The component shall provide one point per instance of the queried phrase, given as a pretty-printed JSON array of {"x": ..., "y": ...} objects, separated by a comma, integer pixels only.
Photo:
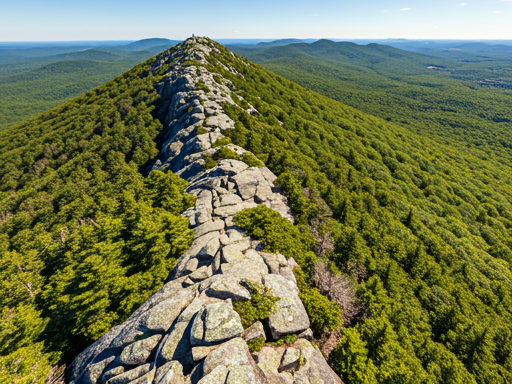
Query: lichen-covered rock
[
  {"x": 216, "y": 376},
  {"x": 170, "y": 373},
  {"x": 271, "y": 261},
  {"x": 243, "y": 374},
  {"x": 138, "y": 352},
  {"x": 160, "y": 317},
  {"x": 146, "y": 379},
  {"x": 233, "y": 253},
  {"x": 292, "y": 359},
  {"x": 255, "y": 331},
  {"x": 228, "y": 287},
  {"x": 230, "y": 199},
  {"x": 314, "y": 369},
  {"x": 112, "y": 372},
  {"x": 231, "y": 210},
  {"x": 201, "y": 273},
  {"x": 215, "y": 323},
  {"x": 268, "y": 359},
  {"x": 94, "y": 371},
  {"x": 209, "y": 226},
  {"x": 199, "y": 353},
  {"x": 131, "y": 375},
  {"x": 289, "y": 315},
  {"x": 250, "y": 268},
  {"x": 307, "y": 334},
  {"x": 234, "y": 354}
]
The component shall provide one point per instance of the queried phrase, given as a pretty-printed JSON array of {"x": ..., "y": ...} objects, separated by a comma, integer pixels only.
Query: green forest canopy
[
  {"x": 461, "y": 102},
  {"x": 423, "y": 229}
]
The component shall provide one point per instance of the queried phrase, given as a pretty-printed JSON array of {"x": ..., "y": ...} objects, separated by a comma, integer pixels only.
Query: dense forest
[
  {"x": 33, "y": 80},
  {"x": 84, "y": 238},
  {"x": 421, "y": 231},
  {"x": 457, "y": 98}
]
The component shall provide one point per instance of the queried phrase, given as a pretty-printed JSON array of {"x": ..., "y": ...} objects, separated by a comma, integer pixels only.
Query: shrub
[
  {"x": 225, "y": 153},
  {"x": 323, "y": 313},
  {"x": 222, "y": 141},
  {"x": 258, "y": 307},
  {"x": 200, "y": 86},
  {"x": 208, "y": 162},
  {"x": 251, "y": 160},
  {"x": 201, "y": 130},
  {"x": 279, "y": 235},
  {"x": 255, "y": 345},
  {"x": 350, "y": 360},
  {"x": 286, "y": 339}
]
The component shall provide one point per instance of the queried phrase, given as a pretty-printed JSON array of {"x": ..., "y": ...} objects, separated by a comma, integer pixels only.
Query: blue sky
[{"x": 40, "y": 20}]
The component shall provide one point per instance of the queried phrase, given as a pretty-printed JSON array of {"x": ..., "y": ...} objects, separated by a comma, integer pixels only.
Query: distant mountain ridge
[
  {"x": 53, "y": 75},
  {"x": 144, "y": 44},
  {"x": 441, "y": 95}
]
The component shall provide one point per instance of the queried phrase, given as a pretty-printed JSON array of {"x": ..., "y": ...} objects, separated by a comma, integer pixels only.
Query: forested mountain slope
[
  {"x": 32, "y": 82},
  {"x": 421, "y": 230},
  {"x": 465, "y": 103}
]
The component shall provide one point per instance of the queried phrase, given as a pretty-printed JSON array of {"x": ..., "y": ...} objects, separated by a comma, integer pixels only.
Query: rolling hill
[
  {"x": 32, "y": 82},
  {"x": 464, "y": 104}
]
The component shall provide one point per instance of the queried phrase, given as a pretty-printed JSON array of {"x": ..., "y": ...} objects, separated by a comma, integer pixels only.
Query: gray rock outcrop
[{"x": 188, "y": 331}]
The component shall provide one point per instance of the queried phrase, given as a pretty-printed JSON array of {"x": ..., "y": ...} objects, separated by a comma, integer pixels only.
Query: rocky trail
[{"x": 188, "y": 331}]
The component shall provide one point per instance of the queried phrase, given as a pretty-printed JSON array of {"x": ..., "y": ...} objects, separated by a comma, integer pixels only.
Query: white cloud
[
  {"x": 497, "y": 12},
  {"x": 467, "y": 3},
  {"x": 405, "y": 9},
  {"x": 314, "y": 15},
  {"x": 237, "y": 31}
]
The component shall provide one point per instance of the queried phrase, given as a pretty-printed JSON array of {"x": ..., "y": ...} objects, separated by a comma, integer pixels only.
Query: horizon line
[{"x": 256, "y": 38}]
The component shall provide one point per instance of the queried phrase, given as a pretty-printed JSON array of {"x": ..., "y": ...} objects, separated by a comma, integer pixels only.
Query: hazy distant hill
[
  {"x": 148, "y": 43},
  {"x": 31, "y": 82},
  {"x": 464, "y": 103}
]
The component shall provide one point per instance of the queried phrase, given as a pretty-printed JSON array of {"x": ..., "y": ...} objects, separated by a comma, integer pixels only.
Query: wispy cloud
[
  {"x": 405, "y": 9},
  {"x": 466, "y": 3},
  {"x": 237, "y": 31},
  {"x": 387, "y": 10},
  {"x": 314, "y": 15},
  {"x": 497, "y": 12}
]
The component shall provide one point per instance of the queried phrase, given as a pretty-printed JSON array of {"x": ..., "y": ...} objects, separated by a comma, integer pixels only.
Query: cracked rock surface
[{"x": 188, "y": 332}]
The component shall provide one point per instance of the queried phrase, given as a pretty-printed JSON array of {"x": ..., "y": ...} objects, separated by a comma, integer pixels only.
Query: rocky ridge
[{"x": 188, "y": 331}]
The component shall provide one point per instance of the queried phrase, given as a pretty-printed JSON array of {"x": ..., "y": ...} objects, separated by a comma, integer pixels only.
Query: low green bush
[
  {"x": 251, "y": 160},
  {"x": 286, "y": 339},
  {"x": 258, "y": 307},
  {"x": 323, "y": 313},
  {"x": 222, "y": 141},
  {"x": 201, "y": 130},
  {"x": 225, "y": 153},
  {"x": 208, "y": 162},
  {"x": 202, "y": 86},
  {"x": 278, "y": 234},
  {"x": 255, "y": 345}
]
